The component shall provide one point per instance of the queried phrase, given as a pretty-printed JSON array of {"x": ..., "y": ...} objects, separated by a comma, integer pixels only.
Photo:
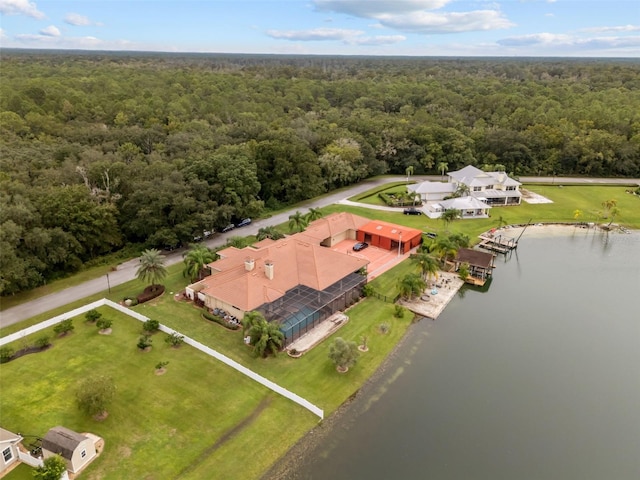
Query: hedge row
[{"x": 220, "y": 320}]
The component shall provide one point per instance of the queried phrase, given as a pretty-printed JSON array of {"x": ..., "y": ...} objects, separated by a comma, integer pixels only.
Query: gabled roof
[
  {"x": 8, "y": 437},
  {"x": 463, "y": 203},
  {"x": 62, "y": 441},
  {"x": 390, "y": 230},
  {"x": 475, "y": 258},
  {"x": 474, "y": 177},
  {"x": 242, "y": 280},
  {"x": 432, "y": 187}
]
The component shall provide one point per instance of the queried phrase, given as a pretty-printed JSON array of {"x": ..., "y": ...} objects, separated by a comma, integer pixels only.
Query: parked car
[
  {"x": 412, "y": 211},
  {"x": 360, "y": 246},
  {"x": 244, "y": 222},
  {"x": 228, "y": 228}
]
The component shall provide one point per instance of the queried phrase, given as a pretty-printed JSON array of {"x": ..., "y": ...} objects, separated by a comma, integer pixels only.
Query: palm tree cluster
[
  {"x": 196, "y": 261},
  {"x": 299, "y": 221},
  {"x": 265, "y": 337}
]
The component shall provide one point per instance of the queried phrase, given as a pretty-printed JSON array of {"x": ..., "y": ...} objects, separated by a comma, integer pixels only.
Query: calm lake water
[{"x": 537, "y": 378}]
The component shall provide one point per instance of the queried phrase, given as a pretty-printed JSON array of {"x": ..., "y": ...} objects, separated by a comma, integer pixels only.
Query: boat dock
[{"x": 497, "y": 242}]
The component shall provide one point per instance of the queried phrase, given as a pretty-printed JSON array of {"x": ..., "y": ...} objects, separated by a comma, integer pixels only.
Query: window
[
  {"x": 489, "y": 187},
  {"x": 511, "y": 188},
  {"x": 477, "y": 189},
  {"x": 83, "y": 453},
  {"x": 7, "y": 454}
]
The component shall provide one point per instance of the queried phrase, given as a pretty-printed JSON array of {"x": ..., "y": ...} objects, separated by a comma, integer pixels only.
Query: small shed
[
  {"x": 9, "y": 446},
  {"x": 480, "y": 263},
  {"x": 76, "y": 449}
]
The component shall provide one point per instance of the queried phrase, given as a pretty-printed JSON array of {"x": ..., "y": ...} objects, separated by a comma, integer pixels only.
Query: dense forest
[{"x": 101, "y": 150}]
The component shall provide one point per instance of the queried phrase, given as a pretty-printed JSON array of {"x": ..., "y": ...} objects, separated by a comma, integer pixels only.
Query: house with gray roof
[
  {"x": 469, "y": 207},
  {"x": 493, "y": 188}
]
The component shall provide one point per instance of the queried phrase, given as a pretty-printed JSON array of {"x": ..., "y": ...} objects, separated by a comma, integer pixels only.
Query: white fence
[
  {"x": 203, "y": 348},
  {"x": 29, "y": 460}
]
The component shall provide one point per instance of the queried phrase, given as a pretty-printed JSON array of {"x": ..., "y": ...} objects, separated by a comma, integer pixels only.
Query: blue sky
[{"x": 577, "y": 28}]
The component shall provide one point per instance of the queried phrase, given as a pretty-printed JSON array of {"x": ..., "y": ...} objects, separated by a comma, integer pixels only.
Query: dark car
[
  {"x": 228, "y": 228},
  {"x": 412, "y": 211},
  {"x": 244, "y": 222},
  {"x": 360, "y": 246}
]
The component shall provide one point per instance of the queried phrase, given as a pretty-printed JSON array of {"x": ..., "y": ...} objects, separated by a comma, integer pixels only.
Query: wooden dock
[{"x": 497, "y": 242}]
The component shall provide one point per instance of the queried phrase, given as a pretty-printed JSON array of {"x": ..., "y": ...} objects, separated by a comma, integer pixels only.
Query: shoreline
[{"x": 286, "y": 466}]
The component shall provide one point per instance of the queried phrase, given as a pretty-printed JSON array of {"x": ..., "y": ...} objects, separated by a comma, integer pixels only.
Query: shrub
[
  {"x": 94, "y": 393},
  {"x": 151, "y": 326},
  {"x": 92, "y": 315},
  {"x": 384, "y": 328},
  {"x": 161, "y": 365},
  {"x": 130, "y": 301},
  {"x": 150, "y": 292},
  {"x": 104, "y": 323},
  {"x": 221, "y": 321},
  {"x": 64, "y": 327},
  {"x": 174, "y": 339},
  {"x": 6, "y": 353},
  {"x": 343, "y": 353},
  {"x": 51, "y": 469},
  {"x": 144, "y": 342},
  {"x": 368, "y": 290},
  {"x": 42, "y": 342},
  {"x": 398, "y": 311}
]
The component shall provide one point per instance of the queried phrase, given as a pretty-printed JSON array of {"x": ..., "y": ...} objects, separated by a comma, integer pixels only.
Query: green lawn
[
  {"x": 174, "y": 425},
  {"x": 21, "y": 472},
  {"x": 197, "y": 401}
]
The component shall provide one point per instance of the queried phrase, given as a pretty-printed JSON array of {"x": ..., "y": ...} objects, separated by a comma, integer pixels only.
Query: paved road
[{"x": 127, "y": 271}]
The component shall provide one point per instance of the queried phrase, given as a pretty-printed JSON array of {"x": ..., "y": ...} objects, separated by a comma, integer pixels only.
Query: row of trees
[{"x": 97, "y": 152}]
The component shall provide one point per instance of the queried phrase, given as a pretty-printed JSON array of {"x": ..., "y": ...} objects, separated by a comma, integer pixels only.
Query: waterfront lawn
[{"x": 170, "y": 423}]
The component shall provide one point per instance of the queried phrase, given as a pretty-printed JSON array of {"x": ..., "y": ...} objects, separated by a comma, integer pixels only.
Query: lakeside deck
[{"x": 497, "y": 242}]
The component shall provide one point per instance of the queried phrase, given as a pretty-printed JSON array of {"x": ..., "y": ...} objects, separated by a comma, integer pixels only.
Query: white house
[
  {"x": 9, "y": 446},
  {"x": 492, "y": 188},
  {"x": 469, "y": 207}
]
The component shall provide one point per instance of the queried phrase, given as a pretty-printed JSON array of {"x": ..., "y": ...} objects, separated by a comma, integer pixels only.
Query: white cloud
[
  {"x": 76, "y": 43},
  {"x": 50, "y": 31},
  {"x": 77, "y": 20},
  {"x": 418, "y": 16},
  {"x": 575, "y": 44},
  {"x": 379, "y": 40},
  {"x": 3, "y": 34},
  {"x": 316, "y": 34},
  {"x": 454, "y": 22},
  {"x": 20, "y": 7},
  {"x": 620, "y": 28},
  {"x": 549, "y": 15},
  {"x": 373, "y": 8}
]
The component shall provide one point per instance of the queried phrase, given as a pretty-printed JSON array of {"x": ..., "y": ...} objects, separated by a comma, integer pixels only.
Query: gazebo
[{"x": 480, "y": 264}]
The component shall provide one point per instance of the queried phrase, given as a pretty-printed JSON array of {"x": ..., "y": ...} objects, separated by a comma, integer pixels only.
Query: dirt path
[{"x": 227, "y": 436}]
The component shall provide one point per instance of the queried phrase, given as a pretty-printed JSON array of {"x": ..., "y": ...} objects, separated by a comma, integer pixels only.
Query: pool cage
[{"x": 302, "y": 307}]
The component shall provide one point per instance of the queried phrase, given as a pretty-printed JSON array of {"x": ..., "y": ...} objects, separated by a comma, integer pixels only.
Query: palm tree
[
  {"x": 445, "y": 249},
  {"x": 460, "y": 240},
  {"x": 314, "y": 214},
  {"x": 195, "y": 261},
  {"x": 462, "y": 190},
  {"x": 265, "y": 337},
  {"x": 428, "y": 265},
  {"x": 443, "y": 167},
  {"x": 151, "y": 268},
  {"x": 449, "y": 215},
  {"x": 410, "y": 285},
  {"x": 409, "y": 172},
  {"x": 269, "y": 232},
  {"x": 297, "y": 222}
]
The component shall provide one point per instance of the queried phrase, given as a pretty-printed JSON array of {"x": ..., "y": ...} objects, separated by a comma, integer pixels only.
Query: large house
[
  {"x": 491, "y": 188},
  {"x": 300, "y": 280}
]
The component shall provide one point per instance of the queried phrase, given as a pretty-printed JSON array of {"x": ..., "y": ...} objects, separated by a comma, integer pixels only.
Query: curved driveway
[{"x": 127, "y": 270}]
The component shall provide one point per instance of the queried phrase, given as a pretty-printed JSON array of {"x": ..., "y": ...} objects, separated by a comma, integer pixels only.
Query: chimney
[
  {"x": 268, "y": 269},
  {"x": 249, "y": 264}
]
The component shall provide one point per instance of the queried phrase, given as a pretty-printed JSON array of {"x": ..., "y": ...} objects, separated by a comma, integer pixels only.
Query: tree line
[{"x": 103, "y": 150}]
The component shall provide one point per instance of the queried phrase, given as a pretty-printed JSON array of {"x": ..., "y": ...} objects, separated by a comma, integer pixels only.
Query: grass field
[
  {"x": 176, "y": 425},
  {"x": 179, "y": 424}
]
